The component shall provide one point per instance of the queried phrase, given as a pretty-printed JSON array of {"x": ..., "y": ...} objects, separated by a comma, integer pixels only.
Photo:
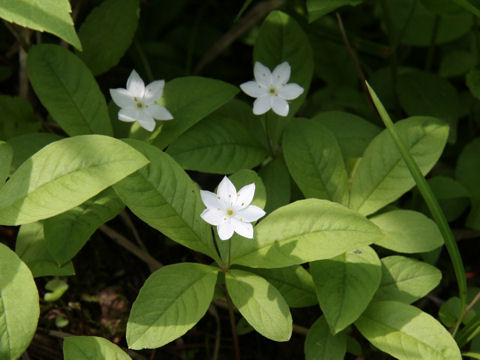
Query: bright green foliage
[
  {"x": 321, "y": 344},
  {"x": 315, "y": 161},
  {"x": 304, "y": 231},
  {"x": 56, "y": 287},
  {"x": 63, "y": 175},
  {"x": 67, "y": 233},
  {"x": 189, "y": 100},
  {"x": 6, "y": 155},
  {"x": 32, "y": 248},
  {"x": 52, "y": 16},
  {"x": 406, "y": 333},
  {"x": 172, "y": 300},
  {"x": 91, "y": 348},
  {"x": 408, "y": 231},
  {"x": 107, "y": 33},
  {"x": 260, "y": 303},
  {"x": 277, "y": 183},
  {"x": 17, "y": 117},
  {"x": 318, "y": 8},
  {"x": 406, "y": 280},
  {"x": 164, "y": 196},
  {"x": 68, "y": 90},
  {"x": 345, "y": 285},
  {"x": 382, "y": 176},
  {"x": 19, "y": 309}
]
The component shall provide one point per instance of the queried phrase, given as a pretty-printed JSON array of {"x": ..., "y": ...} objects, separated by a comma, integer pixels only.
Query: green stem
[
  {"x": 431, "y": 48},
  {"x": 217, "y": 249},
  {"x": 233, "y": 325}
]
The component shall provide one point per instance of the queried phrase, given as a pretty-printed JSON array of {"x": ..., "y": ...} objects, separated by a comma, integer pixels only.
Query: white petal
[
  {"x": 226, "y": 191},
  {"x": 128, "y": 114},
  {"x": 210, "y": 200},
  {"x": 249, "y": 214},
  {"x": 122, "y": 98},
  {"x": 281, "y": 74},
  {"x": 242, "y": 228},
  {"x": 159, "y": 112},
  {"x": 262, "y": 74},
  {"x": 279, "y": 106},
  {"x": 213, "y": 217},
  {"x": 290, "y": 91},
  {"x": 253, "y": 89},
  {"x": 135, "y": 85},
  {"x": 225, "y": 230},
  {"x": 262, "y": 105},
  {"x": 146, "y": 121},
  {"x": 154, "y": 90},
  {"x": 245, "y": 196}
]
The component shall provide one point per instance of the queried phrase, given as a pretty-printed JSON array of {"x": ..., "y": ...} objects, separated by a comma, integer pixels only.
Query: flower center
[
  {"x": 139, "y": 105},
  {"x": 273, "y": 91},
  {"x": 230, "y": 212}
]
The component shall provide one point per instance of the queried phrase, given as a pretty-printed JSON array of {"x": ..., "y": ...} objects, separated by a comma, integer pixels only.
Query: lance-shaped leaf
[
  {"x": 321, "y": 344},
  {"x": 68, "y": 90},
  {"x": 19, "y": 309},
  {"x": 91, "y": 347},
  {"x": 63, "y": 175},
  {"x": 277, "y": 182},
  {"x": 305, "y": 230},
  {"x": 172, "y": 300},
  {"x": 6, "y": 156},
  {"x": 406, "y": 332}
]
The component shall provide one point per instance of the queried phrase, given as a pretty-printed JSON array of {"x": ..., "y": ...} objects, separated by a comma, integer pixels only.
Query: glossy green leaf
[
  {"x": 6, "y": 156},
  {"x": 172, "y": 300},
  {"x": 67, "y": 233},
  {"x": 63, "y": 175},
  {"x": 321, "y": 344},
  {"x": 303, "y": 231},
  {"x": 107, "y": 33},
  {"x": 91, "y": 348},
  {"x": 164, "y": 196},
  {"x": 260, "y": 304},
  {"x": 17, "y": 117},
  {"x": 345, "y": 285},
  {"x": 277, "y": 182},
  {"x": 19, "y": 309},
  {"x": 68, "y": 90},
  {"x": 315, "y": 160},
  {"x": 52, "y": 16},
  {"x": 382, "y": 176},
  {"x": 406, "y": 332},
  {"x": 32, "y": 248},
  {"x": 406, "y": 280},
  {"x": 408, "y": 231}
]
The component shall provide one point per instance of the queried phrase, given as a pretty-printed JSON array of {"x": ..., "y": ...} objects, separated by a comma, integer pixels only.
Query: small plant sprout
[
  {"x": 271, "y": 89},
  {"x": 230, "y": 211},
  {"x": 138, "y": 103}
]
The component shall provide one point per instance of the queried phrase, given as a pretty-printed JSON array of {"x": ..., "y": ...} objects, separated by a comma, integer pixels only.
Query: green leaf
[
  {"x": 321, "y": 344},
  {"x": 345, "y": 285},
  {"x": 315, "y": 160},
  {"x": 68, "y": 90},
  {"x": 19, "y": 309},
  {"x": 33, "y": 250},
  {"x": 67, "y": 233},
  {"x": 6, "y": 156},
  {"x": 452, "y": 196},
  {"x": 473, "y": 82},
  {"x": 318, "y": 8},
  {"x": 294, "y": 283},
  {"x": 260, "y": 304},
  {"x": 164, "y": 196},
  {"x": 52, "y": 16},
  {"x": 107, "y": 32},
  {"x": 190, "y": 99},
  {"x": 172, "y": 300},
  {"x": 91, "y": 348},
  {"x": 406, "y": 280},
  {"x": 303, "y": 231},
  {"x": 17, "y": 117},
  {"x": 456, "y": 63},
  {"x": 408, "y": 231},
  {"x": 63, "y": 175},
  {"x": 406, "y": 333},
  {"x": 276, "y": 178},
  {"x": 382, "y": 176}
]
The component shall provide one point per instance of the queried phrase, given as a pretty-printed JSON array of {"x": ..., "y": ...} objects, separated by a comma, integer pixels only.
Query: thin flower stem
[
  {"x": 216, "y": 248},
  {"x": 233, "y": 325},
  {"x": 229, "y": 252},
  {"x": 212, "y": 310},
  {"x": 431, "y": 48}
]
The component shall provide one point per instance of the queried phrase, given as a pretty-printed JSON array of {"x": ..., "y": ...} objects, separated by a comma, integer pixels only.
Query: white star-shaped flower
[
  {"x": 271, "y": 89},
  {"x": 230, "y": 211},
  {"x": 138, "y": 103}
]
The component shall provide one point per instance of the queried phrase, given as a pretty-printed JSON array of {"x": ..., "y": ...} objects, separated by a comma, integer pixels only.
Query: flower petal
[
  {"x": 245, "y": 196},
  {"x": 262, "y": 105},
  {"x": 253, "y": 89},
  {"x": 242, "y": 228},
  {"x": 159, "y": 112},
  {"x": 146, "y": 121},
  {"x": 211, "y": 216},
  {"x": 122, "y": 97},
  {"x": 262, "y": 74},
  {"x": 128, "y": 114},
  {"x": 279, "y": 106},
  {"x": 154, "y": 90},
  {"x": 250, "y": 213},
  {"x": 225, "y": 230},
  {"x": 135, "y": 85},
  {"x": 290, "y": 91},
  {"x": 210, "y": 200},
  {"x": 281, "y": 74},
  {"x": 226, "y": 191}
]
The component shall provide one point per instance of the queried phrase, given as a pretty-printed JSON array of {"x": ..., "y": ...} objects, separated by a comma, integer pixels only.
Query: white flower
[
  {"x": 271, "y": 89},
  {"x": 137, "y": 102},
  {"x": 230, "y": 211}
]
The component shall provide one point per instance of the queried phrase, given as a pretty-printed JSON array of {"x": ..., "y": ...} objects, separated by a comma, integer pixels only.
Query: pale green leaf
[
  {"x": 91, "y": 348},
  {"x": 320, "y": 344}
]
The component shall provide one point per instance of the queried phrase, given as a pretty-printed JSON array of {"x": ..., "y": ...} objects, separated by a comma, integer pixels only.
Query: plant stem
[
  {"x": 431, "y": 48},
  {"x": 217, "y": 249},
  {"x": 229, "y": 252},
  {"x": 233, "y": 325}
]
